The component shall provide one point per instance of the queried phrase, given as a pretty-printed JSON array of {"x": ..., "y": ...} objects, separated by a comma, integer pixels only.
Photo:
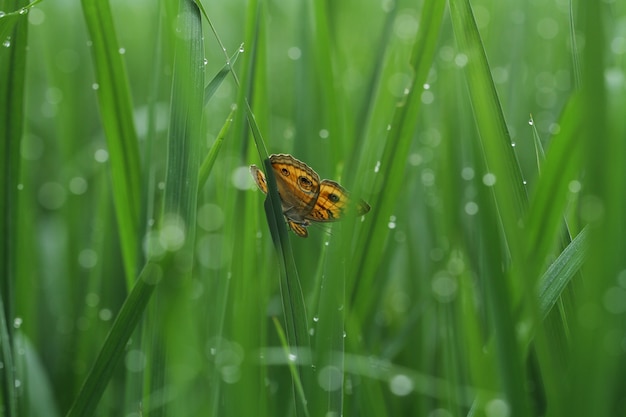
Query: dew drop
[
  {"x": 122, "y": 51},
  {"x": 377, "y": 167},
  {"x": 17, "y": 322},
  {"x": 489, "y": 179},
  {"x": 23, "y": 10},
  {"x": 101, "y": 155},
  {"x": 471, "y": 208},
  {"x": 6, "y": 43},
  {"x": 574, "y": 186},
  {"x": 498, "y": 407},
  {"x": 401, "y": 385},
  {"x": 467, "y": 173},
  {"x": 105, "y": 314}
]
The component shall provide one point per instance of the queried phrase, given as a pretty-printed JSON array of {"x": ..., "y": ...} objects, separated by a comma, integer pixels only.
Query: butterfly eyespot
[
  {"x": 305, "y": 183},
  {"x": 333, "y": 197},
  {"x": 284, "y": 171}
]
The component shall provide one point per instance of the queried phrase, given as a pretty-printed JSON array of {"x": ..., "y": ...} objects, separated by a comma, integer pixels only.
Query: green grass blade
[
  {"x": 10, "y": 19},
  {"x": 561, "y": 271},
  {"x": 114, "y": 346},
  {"x": 562, "y": 165},
  {"x": 117, "y": 120},
  {"x": 217, "y": 80},
  {"x": 494, "y": 136},
  {"x": 293, "y": 368},
  {"x": 395, "y": 154},
  {"x": 291, "y": 292},
  {"x": 8, "y": 396},
  {"x": 180, "y": 200},
  {"x": 510, "y": 199},
  {"x": 207, "y": 163},
  {"x": 598, "y": 318},
  {"x": 13, "y": 43}
]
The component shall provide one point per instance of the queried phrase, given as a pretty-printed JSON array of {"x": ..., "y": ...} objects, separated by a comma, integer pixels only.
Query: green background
[{"x": 139, "y": 274}]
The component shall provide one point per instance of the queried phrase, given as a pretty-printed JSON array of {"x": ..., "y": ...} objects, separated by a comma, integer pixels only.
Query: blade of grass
[
  {"x": 561, "y": 271},
  {"x": 291, "y": 292},
  {"x": 389, "y": 178},
  {"x": 597, "y": 323},
  {"x": 289, "y": 353},
  {"x": 13, "y": 41},
  {"x": 209, "y": 160},
  {"x": 117, "y": 120},
  {"x": 562, "y": 165},
  {"x": 510, "y": 199},
  {"x": 217, "y": 80},
  {"x": 8, "y": 397},
  {"x": 175, "y": 335},
  {"x": 393, "y": 161},
  {"x": 114, "y": 345},
  {"x": 9, "y": 20},
  {"x": 495, "y": 139}
]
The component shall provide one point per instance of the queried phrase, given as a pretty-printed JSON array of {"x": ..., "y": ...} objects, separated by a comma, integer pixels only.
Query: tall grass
[{"x": 142, "y": 272}]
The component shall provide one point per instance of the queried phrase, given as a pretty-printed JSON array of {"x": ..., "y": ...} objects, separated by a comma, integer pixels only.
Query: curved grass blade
[
  {"x": 293, "y": 369},
  {"x": 115, "y": 342},
  {"x": 12, "y": 82},
  {"x": 561, "y": 271},
  {"x": 510, "y": 201},
  {"x": 117, "y": 120},
  {"x": 214, "y": 84},
  {"x": 395, "y": 154},
  {"x": 209, "y": 160},
  {"x": 8, "y": 397},
  {"x": 291, "y": 291},
  {"x": 9, "y": 20},
  {"x": 494, "y": 136},
  {"x": 562, "y": 165}
]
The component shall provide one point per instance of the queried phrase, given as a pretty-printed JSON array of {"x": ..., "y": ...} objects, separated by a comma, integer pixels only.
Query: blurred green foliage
[{"x": 487, "y": 280}]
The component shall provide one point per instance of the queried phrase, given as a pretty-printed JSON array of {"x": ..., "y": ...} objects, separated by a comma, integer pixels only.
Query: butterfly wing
[
  {"x": 298, "y": 186},
  {"x": 298, "y": 228},
  {"x": 259, "y": 178},
  {"x": 333, "y": 202}
]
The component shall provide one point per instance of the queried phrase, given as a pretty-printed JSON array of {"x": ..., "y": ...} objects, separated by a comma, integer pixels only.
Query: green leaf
[
  {"x": 561, "y": 271},
  {"x": 117, "y": 120}
]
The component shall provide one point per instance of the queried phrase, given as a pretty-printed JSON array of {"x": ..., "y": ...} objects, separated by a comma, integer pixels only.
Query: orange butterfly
[{"x": 304, "y": 197}]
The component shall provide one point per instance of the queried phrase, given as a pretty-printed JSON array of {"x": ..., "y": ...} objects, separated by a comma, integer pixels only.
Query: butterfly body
[{"x": 304, "y": 197}]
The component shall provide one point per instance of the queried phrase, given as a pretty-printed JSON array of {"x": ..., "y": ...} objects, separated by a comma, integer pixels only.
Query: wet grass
[{"x": 143, "y": 273}]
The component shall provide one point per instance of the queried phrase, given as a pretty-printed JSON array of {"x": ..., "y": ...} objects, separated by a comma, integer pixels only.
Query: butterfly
[{"x": 304, "y": 197}]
